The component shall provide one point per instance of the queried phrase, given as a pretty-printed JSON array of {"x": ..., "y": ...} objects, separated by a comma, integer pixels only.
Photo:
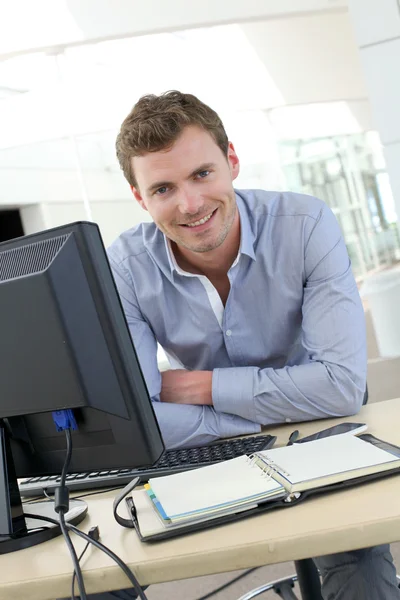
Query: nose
[{"x": 190, "y": 202}]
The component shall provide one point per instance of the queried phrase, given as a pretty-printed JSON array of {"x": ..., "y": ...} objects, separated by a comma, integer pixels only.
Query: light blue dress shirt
[{"x": 291, "y": 345}]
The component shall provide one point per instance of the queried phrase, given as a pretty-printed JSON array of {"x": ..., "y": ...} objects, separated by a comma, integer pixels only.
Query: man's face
[{"x": 188, "y": 190}]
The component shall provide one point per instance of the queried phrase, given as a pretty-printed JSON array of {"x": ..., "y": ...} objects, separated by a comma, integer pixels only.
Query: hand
[{"x": 186, "y": 387}]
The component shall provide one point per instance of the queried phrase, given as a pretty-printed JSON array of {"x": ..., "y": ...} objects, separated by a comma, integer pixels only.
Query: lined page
[{"x": 228, "y": 482}]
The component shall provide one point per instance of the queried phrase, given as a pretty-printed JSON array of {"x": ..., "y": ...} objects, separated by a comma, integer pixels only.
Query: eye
[
  {"x": 161, "y": 191},
  {"x": 203, "y": 174}
]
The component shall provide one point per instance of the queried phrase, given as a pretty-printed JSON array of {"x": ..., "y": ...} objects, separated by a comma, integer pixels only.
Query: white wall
[
  {"x": 42, "y": 180},
  {"x": 112, "y": 217},
  {"x": 377, "y": 30},
  {"x": 33, "y": 218},
  {"x": 21, "y": 186}
]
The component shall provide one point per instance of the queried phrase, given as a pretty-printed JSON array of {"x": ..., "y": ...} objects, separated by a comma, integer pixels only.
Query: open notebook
[{"x": 243, "y": 483}]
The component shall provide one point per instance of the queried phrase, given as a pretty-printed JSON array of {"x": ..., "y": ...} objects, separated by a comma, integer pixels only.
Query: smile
[{"x": 201, "y": 221}]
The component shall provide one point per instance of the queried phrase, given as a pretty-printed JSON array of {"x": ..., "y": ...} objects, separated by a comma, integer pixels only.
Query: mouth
[{"x": 201, "y": 223}]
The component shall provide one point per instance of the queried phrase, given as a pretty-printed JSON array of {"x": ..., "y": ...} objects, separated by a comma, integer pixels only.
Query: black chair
[{"x": 306, "y": 575}]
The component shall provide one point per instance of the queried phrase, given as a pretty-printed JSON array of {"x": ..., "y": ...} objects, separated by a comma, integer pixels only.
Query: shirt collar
[
  {"x": 247, "y": 236},
  {"x": 172, "y": 260},
  {"x": 246, "y": 239}
]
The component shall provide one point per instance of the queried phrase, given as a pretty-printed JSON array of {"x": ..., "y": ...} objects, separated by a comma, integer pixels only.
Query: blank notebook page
[
  {"x": 215, "y": 485},
  {"x": 319, "y": 458}
]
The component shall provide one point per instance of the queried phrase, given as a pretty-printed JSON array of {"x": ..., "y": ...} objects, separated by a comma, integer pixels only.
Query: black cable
[
  {"x": 227, "y": 584},
  {"x": 67, "y": 460},
  {"x": 136, "y": 585},
  {"x": 61, "y": 507},
  {"x": 110, "y": 553},
  {"x": 74, "y": 557},
  {"x": 95, "y": 534},
  {"x": 74, "y": 574},
  {"x": 119, "y": 562},
  {"x": 124, "y": 522}
]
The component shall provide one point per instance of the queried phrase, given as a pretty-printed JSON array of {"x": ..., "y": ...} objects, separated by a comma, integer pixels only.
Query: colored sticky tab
[{"x": 156, "y": 503}]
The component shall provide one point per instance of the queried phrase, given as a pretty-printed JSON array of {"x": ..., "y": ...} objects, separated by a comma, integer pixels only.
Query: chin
[{"x": 206, "y": 246}]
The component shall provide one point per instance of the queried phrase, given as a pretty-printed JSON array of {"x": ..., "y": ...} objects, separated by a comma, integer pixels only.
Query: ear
[
  {"x": 136, "y": 193},
  {"x": 233, "y": 161}
]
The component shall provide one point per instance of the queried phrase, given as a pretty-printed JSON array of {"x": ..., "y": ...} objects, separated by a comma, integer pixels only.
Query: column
[{"x": 377, "y": 29}]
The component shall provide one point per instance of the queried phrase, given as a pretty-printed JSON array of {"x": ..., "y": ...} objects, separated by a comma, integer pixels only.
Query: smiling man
[{"x": 249, "y": 292}]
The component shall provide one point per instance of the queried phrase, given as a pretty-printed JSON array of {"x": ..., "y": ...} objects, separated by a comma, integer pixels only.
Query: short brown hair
[{"x": 155, "y": 122}]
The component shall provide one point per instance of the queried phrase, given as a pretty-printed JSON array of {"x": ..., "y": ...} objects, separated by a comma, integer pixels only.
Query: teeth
[{"x": 204, "y": 220}]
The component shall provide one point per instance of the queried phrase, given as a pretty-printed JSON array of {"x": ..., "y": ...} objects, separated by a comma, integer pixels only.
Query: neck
[{"x": 214, "y": 262}]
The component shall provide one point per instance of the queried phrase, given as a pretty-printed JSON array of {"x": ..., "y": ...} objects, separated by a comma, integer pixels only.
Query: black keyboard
[{"x": 172, "y": 461}]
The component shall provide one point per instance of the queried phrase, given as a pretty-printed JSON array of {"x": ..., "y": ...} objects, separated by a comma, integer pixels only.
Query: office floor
[{"x": 383, "y": 383}]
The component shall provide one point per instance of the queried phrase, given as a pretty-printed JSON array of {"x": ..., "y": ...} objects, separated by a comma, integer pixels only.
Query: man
[{"x": 251, "y": 295}]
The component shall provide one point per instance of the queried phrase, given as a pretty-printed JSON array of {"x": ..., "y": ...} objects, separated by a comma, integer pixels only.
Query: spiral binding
[{"x": 266, "y": 465}]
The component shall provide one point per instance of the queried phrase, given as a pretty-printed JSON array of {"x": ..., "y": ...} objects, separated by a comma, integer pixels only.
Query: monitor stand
[{"x": 18, "y": 531}]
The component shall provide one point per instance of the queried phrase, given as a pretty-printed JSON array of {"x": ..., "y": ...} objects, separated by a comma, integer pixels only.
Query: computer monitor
[{"x": 65, "y": 344}]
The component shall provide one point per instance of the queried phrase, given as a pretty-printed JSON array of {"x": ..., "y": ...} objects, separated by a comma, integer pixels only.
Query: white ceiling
[
  {"x": 283, "y": 78},
  {"x": 27, "y": 25},
  {"x": 311, "y": 58}
]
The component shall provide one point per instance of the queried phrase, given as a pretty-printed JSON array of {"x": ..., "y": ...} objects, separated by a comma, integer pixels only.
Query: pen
[{"x": 293, "y": 437}]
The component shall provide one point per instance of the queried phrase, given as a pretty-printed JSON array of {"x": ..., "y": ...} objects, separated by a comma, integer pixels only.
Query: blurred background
[
  {"x": 289, "y": 86},
  {"x": 309, "y": 91}
]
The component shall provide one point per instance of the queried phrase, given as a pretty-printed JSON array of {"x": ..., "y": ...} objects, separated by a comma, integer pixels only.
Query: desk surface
[{"x": 360, "y": 517}]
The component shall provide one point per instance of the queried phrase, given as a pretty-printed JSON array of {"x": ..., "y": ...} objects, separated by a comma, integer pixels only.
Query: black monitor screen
[{"x": 65, "y": 344}]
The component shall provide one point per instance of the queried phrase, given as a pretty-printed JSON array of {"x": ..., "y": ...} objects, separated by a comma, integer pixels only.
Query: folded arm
[
  {"x": 181, "y": 425},
  {"x": 333, "y": 382}
]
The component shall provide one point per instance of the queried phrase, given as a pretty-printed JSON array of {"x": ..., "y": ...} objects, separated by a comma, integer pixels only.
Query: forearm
[
  {"x": 180, "y": 425},
  {"x": 298, "y": 393},
  {"x": 330, "y": 377},
  {"x": 189, "y": 425},
  {"x": 186, "y": 387},
  {"x": 265, "y": 396}
]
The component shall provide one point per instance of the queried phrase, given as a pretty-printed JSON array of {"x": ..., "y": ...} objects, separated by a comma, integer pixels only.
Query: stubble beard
[{"x": 207, "y": 246}]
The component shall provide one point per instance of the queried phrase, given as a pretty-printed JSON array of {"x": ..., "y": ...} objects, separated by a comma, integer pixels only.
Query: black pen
[{"x": 293, "y": 437}]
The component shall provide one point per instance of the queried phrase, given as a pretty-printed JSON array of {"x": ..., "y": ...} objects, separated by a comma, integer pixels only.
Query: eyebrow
[{"x": 159, "y": 184}]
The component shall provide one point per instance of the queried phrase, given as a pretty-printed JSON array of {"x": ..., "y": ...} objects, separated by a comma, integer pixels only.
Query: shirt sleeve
[
  {"x": 332, "y": 383},
  {"x": 181, "y": 425}
]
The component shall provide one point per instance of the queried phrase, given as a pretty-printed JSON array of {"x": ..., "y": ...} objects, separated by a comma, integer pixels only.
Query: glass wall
[{"x": 348, "y": 173}]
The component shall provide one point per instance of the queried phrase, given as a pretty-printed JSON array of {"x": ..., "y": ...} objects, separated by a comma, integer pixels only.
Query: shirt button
[
  {"x": 228, "y": 332},
  {"x": 288, "y": 420}
]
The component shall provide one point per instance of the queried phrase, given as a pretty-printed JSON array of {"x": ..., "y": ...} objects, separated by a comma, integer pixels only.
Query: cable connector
[
  {"x": 61, "y": 499},
  {"x": 64, "y": 419},
  {"x": 94, "y": 533}
]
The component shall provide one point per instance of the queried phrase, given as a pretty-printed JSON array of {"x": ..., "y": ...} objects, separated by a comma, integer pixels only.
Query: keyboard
[{"x": 172, "y": 461}]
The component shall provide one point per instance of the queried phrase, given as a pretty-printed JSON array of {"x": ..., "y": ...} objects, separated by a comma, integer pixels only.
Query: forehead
[{"x": 194, "y": 147}]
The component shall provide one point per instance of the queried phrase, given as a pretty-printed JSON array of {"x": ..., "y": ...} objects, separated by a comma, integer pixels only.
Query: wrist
[{"x": 201, "y": 387}]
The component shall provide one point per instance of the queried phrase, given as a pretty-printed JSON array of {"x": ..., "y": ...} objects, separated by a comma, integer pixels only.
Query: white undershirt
[{"x": 212, "y": 293}]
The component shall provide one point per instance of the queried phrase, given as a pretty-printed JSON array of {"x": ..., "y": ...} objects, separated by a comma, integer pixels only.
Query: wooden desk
[{"x": 355, "y": 518}]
